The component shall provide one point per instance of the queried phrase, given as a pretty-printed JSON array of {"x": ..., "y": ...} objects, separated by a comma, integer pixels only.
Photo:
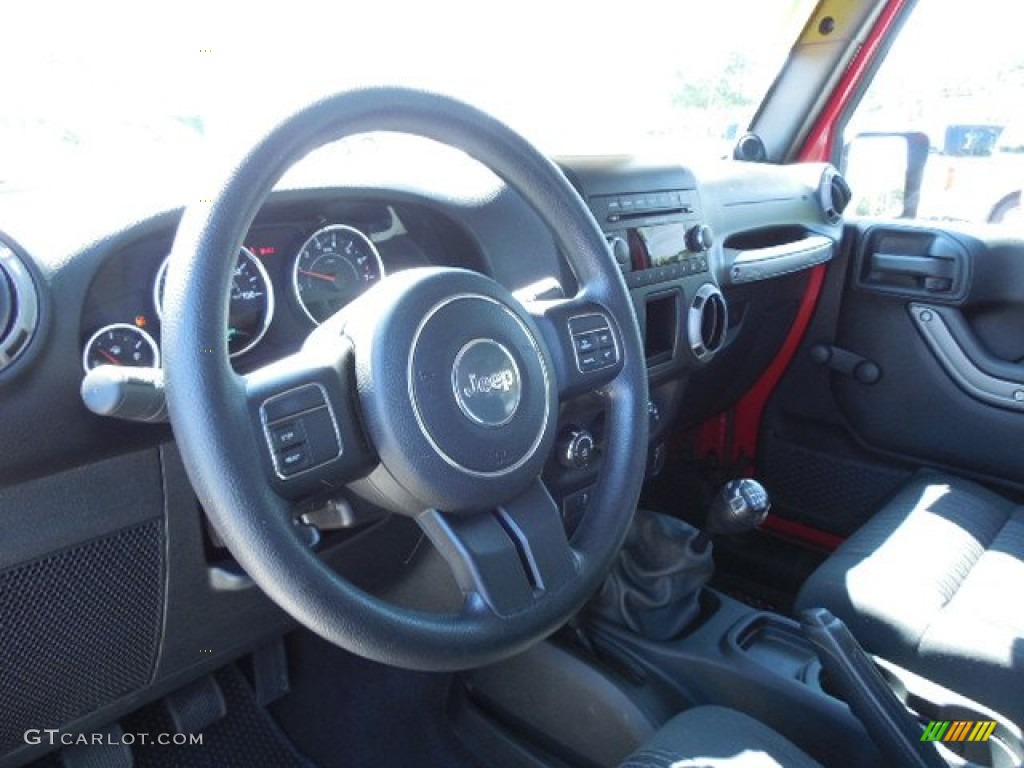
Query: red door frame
[{"x": 745, "y": 421}]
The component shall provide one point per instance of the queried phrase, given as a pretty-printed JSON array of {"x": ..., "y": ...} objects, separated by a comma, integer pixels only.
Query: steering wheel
[{"x": 435, "y": 394}]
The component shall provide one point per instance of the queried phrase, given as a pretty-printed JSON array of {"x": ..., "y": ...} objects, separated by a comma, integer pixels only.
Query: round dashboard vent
[
  {"x": 706, "y": 322},
  {"x": 834, "y": 195},
  {"x": 19, "y": 306}
]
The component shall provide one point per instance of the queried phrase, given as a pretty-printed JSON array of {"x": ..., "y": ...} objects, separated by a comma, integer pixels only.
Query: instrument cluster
[{"x": 286, "y": 275}]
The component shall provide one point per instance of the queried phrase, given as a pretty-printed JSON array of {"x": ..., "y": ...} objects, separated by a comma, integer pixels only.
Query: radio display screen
[{"x": 665, "y": 243}]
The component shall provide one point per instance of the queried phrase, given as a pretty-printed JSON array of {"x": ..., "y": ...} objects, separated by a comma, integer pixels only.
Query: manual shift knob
[{"x": 740, "y": 506}]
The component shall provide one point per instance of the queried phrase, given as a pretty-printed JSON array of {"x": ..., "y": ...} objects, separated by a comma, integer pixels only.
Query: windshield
[{"x": 105, "y": 89}]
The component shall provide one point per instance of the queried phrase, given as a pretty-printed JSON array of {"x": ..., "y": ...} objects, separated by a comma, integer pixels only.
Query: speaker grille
[{"x": 78, "y": 629}]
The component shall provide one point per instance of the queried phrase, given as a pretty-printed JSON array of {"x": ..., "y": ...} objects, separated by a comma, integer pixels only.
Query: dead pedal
[
  {"x": 197, "y": 706},
  {"x": 270, "y": 672}
]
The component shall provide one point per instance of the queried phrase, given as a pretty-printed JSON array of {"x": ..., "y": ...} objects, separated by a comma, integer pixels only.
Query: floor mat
[
  {"x": 346, "y": 711},
  {"x": 247, "y": 737}
]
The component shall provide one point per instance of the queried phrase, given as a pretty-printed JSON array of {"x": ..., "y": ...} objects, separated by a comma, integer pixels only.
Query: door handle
[
  {"x": 918, "y": 266},
  {"x": 913, "y": 262},
  {"x": 937, "y": 272}
]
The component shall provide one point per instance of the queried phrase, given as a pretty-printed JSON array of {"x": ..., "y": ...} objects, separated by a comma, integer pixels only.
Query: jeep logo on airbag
[
  {"x": 486, "y": 383},
  {"x": 503, "y": 380}
]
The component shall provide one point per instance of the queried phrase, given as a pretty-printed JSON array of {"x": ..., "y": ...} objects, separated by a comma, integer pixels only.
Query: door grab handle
[{"x": 931, "y": 323}]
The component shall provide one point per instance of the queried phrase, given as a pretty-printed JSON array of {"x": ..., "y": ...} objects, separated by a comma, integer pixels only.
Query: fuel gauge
[{"x": 120, "y": 344}]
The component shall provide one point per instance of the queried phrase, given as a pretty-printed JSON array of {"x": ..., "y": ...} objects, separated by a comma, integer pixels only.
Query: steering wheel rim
[{"x": 221, "y": 443}]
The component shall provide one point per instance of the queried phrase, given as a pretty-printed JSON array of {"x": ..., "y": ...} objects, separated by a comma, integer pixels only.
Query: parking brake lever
[{"x": 857, "y": 680}]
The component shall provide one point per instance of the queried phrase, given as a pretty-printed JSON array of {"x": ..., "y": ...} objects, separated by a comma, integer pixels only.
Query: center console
[
  {"x": 654, "y": 222},
  {"x": 757, "y": 662}
]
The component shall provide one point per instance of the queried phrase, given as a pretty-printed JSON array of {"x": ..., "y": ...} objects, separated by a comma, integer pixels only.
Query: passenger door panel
[{"x": 939, "y": 312}]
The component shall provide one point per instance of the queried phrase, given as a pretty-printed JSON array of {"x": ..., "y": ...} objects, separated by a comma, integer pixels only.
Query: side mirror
[{"x": 885, "y": 171}]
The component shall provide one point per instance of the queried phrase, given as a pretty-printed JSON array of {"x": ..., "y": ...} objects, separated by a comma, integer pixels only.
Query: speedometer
[
  {"x": 251, "y": 307},
  {"x": 334, "y": 266}
]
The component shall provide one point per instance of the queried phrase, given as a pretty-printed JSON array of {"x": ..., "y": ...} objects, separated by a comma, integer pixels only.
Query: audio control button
[{"x": 585, "y": 342}]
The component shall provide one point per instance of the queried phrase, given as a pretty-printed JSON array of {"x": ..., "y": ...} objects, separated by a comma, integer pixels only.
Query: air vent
[
  {"x": 706, "y": 322},
  {"x": 834, "y": 195},
  {"x": 19, "y": 307}
]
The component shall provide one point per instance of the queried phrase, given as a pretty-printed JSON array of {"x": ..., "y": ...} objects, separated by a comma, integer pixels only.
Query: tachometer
[
  {"x": 120, "y": 344},
  {"x": 334, "y": 266},
  {"x": 252, "y": 302}
]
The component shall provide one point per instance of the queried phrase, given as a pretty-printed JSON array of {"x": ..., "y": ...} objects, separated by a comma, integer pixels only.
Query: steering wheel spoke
[
  {"x": 584, "y": 342},
  {"x": 508, "y": 557},
  {"x": 303, "y": 410}
]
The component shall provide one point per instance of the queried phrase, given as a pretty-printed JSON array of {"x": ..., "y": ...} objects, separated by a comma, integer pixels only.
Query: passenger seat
[{"x": 935, "y": 583}]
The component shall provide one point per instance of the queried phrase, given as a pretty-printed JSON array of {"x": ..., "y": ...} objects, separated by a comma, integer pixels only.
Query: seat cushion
[
  {"x": 932, "y": 583},
  {"x": 709, "y": 737}
]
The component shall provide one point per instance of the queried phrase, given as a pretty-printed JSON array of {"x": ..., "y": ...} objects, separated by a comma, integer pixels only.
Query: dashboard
[{"x": 715, "y": 261}]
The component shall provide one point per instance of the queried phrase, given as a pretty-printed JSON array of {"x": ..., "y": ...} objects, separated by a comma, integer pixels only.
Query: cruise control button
[
  {"x": 291, "y": 403},
  {"x": 321, "y": 436}
]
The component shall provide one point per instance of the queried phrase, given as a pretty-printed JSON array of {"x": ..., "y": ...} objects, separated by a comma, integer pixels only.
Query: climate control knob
[
  {"x": 700, "y": 238},
  {"x": 576, "y": 448}
]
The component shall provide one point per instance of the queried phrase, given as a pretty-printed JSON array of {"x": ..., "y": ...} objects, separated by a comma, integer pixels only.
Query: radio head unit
[
  {"x": 655, "y": 236},
  {"x": 650, "y": 214}
]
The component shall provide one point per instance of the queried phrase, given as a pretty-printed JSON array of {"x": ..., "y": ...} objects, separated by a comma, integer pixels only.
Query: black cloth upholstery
[
  {"x": 932, "y": 583},
  {"x": 709, "y": 737},
  {"x": 654, "y": 588}
]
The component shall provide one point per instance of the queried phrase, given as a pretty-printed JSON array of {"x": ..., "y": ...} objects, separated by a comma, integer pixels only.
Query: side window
[{"x": 939, "y": 133}]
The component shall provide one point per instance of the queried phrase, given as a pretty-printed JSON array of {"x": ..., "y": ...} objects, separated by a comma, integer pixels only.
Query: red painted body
[{"x": 746, "y": 424}]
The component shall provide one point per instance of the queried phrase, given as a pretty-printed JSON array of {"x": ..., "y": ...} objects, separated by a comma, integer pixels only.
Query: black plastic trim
[{"x": 960, "y": 363}]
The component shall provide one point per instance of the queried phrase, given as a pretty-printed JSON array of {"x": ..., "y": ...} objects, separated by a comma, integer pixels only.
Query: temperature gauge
[{"x": 121, "y": 344}]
